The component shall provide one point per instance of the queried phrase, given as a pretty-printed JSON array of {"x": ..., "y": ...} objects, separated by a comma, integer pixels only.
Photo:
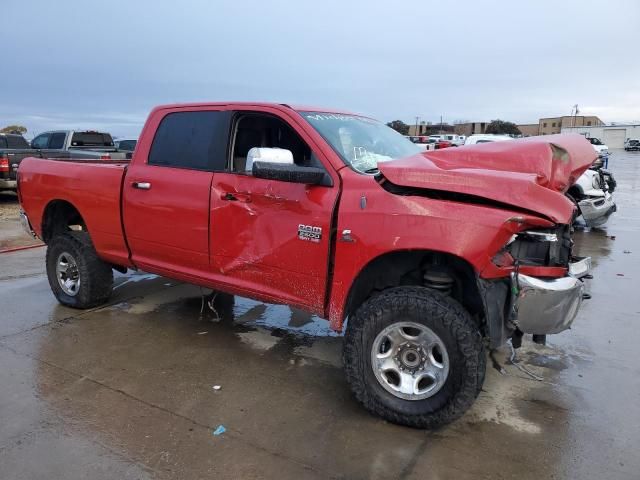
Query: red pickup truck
[{"x": 429, "y": 257}]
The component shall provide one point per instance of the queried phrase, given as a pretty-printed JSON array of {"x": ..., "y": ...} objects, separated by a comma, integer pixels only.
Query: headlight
[{"x": 541, "y": 247}]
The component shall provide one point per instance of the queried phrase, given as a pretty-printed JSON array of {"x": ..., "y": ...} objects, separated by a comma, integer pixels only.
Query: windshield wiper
[{"x": 372, "y": 170}]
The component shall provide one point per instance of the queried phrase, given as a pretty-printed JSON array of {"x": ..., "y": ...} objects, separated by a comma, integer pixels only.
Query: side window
[
  {"x": 16, "y": 141},
  {"x": 41, "y": 141},
  {"x": 3, "y": 142},
  {"x": 57, "y": 140},
  {"x": 193, "y": 140},
  {"x": 260, "y": 130}
]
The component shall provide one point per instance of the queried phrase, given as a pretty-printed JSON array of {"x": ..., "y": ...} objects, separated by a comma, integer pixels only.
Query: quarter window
[{"x": 193, "y": 140}]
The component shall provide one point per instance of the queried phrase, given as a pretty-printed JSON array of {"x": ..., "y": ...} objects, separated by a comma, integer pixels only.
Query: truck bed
[{"x": 93, "y": 186}]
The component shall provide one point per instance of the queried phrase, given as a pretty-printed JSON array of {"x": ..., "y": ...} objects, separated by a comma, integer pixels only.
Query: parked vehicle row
[
  {"x": 60, "y": 144},
  {"x": 431, "y": 256},
  {"x": 82, "y": 144},
  {"x": 436, "y": 142}
]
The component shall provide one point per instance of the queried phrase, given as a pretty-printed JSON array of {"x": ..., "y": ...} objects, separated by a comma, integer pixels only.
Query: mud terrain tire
[
  {"x": 95, "y": 277},
  {"x": 450, "y": 322}
]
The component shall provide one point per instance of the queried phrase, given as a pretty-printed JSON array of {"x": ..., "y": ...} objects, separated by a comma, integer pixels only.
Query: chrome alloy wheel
[
  {"x": 67, "y": 274},
  {"x": 410, "y": 361}
]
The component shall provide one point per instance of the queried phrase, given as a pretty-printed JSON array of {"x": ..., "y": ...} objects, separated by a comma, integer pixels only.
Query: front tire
[
  {"x": 77, "y": 276},
  {"x": 414, "y": 357}
]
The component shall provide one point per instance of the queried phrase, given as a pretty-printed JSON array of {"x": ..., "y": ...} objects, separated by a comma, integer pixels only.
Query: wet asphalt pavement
[{"x": 125, "y": 391}]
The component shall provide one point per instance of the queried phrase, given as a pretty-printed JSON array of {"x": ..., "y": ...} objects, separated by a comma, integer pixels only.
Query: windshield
[
  {"x": 595, "y": 141},
  {"x": 362, "y": 143}
]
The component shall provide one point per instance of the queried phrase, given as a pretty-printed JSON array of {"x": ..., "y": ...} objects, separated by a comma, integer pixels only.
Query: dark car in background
[
  {"x": 13, "y": 148},
  {"x": 126, "y": 146}
]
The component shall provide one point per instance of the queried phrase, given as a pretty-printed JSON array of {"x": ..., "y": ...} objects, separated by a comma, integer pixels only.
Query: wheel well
[
  {"x": 575, "y": 191},
  {"x": 60, "y": 216},
  {"x": 445, "y": 272}
]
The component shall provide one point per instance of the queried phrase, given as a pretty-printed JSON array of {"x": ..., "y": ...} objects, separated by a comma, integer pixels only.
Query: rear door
[
  {"x": 167, "y": 186},
  {"x": 272, "y": 238}
]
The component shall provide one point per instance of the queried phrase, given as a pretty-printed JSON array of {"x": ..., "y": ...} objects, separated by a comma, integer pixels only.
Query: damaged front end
[{"x": 539, "y": 302}]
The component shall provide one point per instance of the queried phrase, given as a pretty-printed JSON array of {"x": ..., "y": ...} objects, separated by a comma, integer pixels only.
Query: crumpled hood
[{"x": 529, "y": 173}]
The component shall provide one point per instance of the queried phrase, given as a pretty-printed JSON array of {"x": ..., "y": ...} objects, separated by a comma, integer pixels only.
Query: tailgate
[{"x": 14, "y": 157}]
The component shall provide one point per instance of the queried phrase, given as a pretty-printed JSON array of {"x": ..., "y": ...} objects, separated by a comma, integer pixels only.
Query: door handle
[
  {"x": 141, "y": 185},
  {"x": 236, "y": 197}
]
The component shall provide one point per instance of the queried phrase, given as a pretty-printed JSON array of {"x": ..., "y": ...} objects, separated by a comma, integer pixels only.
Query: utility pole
[
  {"x": 441, "y": 124},
  {"x": 574, "y": 114}
]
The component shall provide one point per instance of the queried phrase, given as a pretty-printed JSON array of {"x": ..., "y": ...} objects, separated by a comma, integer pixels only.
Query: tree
[
  {"x": 502, "y": 127},
  {"x": 14, "y": 129},
  {"x": 399, "y": 126}
]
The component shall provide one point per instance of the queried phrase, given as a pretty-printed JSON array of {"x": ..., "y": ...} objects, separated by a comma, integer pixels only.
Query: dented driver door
[{"x": 272, "y": 238}]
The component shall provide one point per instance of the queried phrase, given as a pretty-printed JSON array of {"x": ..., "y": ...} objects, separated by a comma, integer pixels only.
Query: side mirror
[
  {"x": 277, "y": 164},
  {"x": 290, "y": 173},
  {"x": 279, "y": 156}
]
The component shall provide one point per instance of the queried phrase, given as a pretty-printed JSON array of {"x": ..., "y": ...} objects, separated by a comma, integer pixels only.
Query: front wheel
[
  {"x": 414, "y": 357},
  {"x": 77, "y": 276}
]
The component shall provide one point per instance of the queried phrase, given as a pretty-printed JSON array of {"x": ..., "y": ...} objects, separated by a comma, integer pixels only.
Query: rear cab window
[
  {"x": 194, "y": 140},
  {"x": 91, "y": 139}
]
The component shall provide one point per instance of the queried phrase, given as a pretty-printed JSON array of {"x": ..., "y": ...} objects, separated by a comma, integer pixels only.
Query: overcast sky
[{"x": 70, "y": 64}]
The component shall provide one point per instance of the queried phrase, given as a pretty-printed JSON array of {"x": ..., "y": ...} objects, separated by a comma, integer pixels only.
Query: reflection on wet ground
[{"x": 126, "y": 390}]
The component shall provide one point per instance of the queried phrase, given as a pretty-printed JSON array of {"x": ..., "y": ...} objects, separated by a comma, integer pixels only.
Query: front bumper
[
  {"x": 546, "y": 306},
  {"x": 6, "y": 184},
  {"x": 597, "y": 210}
]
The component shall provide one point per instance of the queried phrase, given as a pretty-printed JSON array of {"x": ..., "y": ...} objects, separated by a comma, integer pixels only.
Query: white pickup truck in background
[{"x": 600, "y": 147}]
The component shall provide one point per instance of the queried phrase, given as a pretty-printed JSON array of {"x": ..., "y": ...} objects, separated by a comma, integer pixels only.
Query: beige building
[
  {"x": 429, "y": 129},
  {"x": 529, "y": 129},
  {"x": 470, "y": 128},
  {"x": 551, "y": 125}
]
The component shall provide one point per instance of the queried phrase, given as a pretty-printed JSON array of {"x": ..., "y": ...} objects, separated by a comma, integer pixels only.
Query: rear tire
[
  {"x": 423, "y": 314},
  {"x": 77, "y": 276}
]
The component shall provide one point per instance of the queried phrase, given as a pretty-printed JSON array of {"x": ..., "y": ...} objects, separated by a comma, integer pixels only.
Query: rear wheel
[
  {"x": 77, "y": 276},
  {"x": 414, "y": 356}
]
